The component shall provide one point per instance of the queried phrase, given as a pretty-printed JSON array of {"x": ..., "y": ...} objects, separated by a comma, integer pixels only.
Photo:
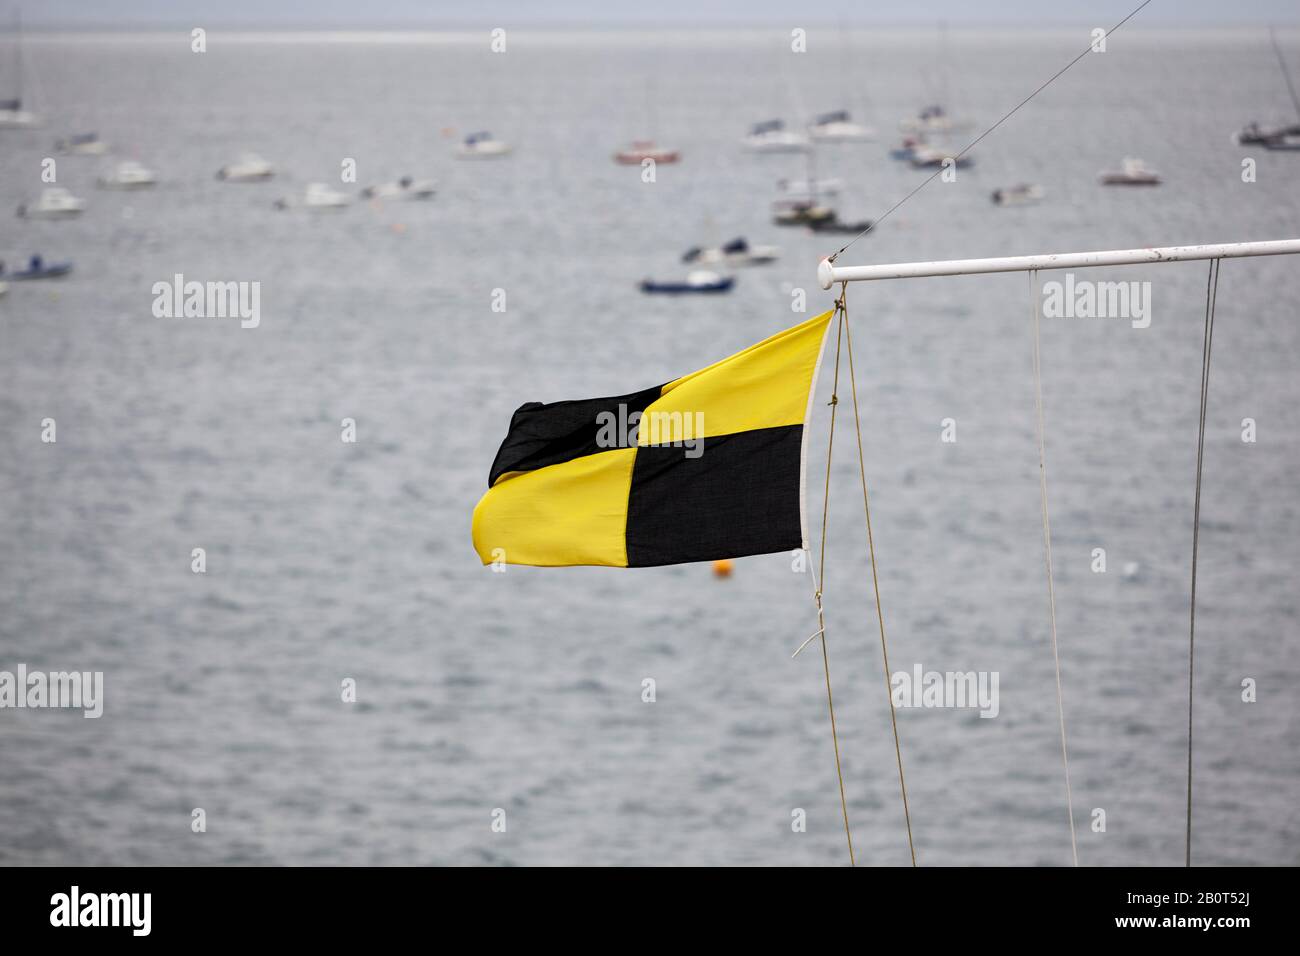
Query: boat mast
[
  {"x": 18, "y": 33},
  {"x": 1281, "y": 61}
]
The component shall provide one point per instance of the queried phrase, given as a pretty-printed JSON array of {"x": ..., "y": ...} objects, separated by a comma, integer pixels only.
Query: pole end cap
[{"x": 825, "y": 273}]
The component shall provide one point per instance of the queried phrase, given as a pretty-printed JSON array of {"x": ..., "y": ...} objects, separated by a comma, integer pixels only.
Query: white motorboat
[
  {"x": 805, "y": 187},
  {"x": 249, "y": 168},
  {"x": 837, "y": 127},
  {"x": 1022, "y": 194},
  {"x": 318, "y": 196},
  {"x": 933, "y": 119},
  {"x": 482, "y": 146},
  {"x": 82, "y": 144},
  {"x": 1132, "y": 172},
  {"x": 55, "y": 202},
  {"x": 404, "y": 188},
  {"x": 737, "y": 252},
  {"x": 771, "y": 136},
  {"x": 128, "y": 174},
  {"x": 927, "y": 157}
]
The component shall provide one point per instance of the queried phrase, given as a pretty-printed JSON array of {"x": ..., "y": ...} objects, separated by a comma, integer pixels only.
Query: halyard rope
[
  {"x": 875, "y": 581},
  {"x": 821, "y": 576},
  {"x": 1047, "y": 548},
  {"x": 1211, "y": 295}
]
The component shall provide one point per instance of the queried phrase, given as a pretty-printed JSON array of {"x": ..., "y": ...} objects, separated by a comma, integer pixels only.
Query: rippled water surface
[{"x": 522, "y": 690}]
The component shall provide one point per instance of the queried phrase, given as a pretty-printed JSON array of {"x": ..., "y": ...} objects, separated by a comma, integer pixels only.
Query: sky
[{"x": 432, "y": 14}]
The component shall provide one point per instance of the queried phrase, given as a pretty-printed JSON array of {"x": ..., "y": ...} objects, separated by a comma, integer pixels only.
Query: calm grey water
[{"x": 522, "y": 690}]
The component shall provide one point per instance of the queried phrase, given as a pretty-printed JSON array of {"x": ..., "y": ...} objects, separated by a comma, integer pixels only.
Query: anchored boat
[
  {"x": 55, "y": 202},
  {"x": 1132, "y": 172},
  {"x": 701, "y": 281},
  {"x": 37, "y": 268},
  {"x": 642, "y": 149},
  {"x": 837, "y": 127},
  {"x": 771, "y": 136},
  {"x": 318, "y": 196},
  {"x": 249, "y": 168},
  {"x": 404, "y": 188},
  {"x": 1023, "y": 194},
  {"x": 12, "y": 114},
  {"x": 129, "y": 175},
  {"x": 482, "y": 145},
  {"x": 737, "y": 252},
  {"x": 82, "y": 144}
]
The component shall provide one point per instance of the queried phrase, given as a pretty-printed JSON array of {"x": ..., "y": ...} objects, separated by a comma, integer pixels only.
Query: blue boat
[
  {"x": 37, "y": 268},
  {"x": 695, "y": 282}
]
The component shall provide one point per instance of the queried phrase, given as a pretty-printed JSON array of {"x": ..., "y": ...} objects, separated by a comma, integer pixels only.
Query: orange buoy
[{"x": 722, "y": 568}]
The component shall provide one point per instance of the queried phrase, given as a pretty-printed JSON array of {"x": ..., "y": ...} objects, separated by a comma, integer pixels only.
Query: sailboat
[
  {"x": 808, "y": 211},
  {"x": 639, "y": 150},
  {"x": 838, "y": 127},
  {"x": 771, "y": 136},
  {"x": 1274, "y": 137},
  {"x": 12, "y": 114}
]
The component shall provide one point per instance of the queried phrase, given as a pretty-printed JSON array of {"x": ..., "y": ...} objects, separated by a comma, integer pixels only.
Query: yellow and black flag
[{"x": 708, "y": 466}]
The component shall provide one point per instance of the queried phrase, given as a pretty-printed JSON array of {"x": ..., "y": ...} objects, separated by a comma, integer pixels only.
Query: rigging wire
[
  {"x": 1286, "y": 74},
  {"x": 1211, "y": 295},
  {"x": 1047, "y": 548},
  {"x": 821, "y": 576},
  {"x": 976, "y": 140},
  {"x": 875, "y": 580}
]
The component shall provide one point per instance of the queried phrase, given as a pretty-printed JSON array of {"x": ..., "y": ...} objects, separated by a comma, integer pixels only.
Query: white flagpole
[{"x": 828, "y": 274}]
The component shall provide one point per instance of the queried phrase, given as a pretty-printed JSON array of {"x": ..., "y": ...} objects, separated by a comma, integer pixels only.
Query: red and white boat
[{"x": 643, "y": 149}]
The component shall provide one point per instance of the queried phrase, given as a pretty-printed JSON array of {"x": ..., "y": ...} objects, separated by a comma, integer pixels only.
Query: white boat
[
  {"x": 771, "y": 136},
  {"x": 128, "y": 174},
  {"x": 249, "y": 168},
  {"x": 482, "y": 146},
  {"x": 1022, "y": 194},
  {"x": 927, "y": 157},
  {"x": 737, "y": 252},
  {"x": 837, "y": 127},
  {"x": 318, "y": 196},
  {"x": 12, "y": 114},
  {"x": 1132, "y": 172},
  {"x": 82, "y": 144},
  {"x": 404, "y": 188},
  {"x": 805, "y": 187},
  {"x": 933, "y": 119},
  {"x": 55, "y": 202}
]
